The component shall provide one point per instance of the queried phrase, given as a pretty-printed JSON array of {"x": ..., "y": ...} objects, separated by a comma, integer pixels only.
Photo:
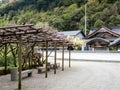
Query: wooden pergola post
[
  {"x": 28, "y": 58},
  {"x": 20, "y": 61},
  {"x": 32, "y": 54},
  {"x": 46, "y": 58},
  {"x": 42, "y": 53},
  {"x": 55, "y": 46},
  {"x": 5, "y": 57},
  {"x": 63, "y": 56},
  {"x": 14, "y": 54},
  {"x": 69, "y": 58}
]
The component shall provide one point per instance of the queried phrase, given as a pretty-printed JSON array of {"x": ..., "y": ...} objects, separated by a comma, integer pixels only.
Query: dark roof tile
[{"x": 73, "y": 33}]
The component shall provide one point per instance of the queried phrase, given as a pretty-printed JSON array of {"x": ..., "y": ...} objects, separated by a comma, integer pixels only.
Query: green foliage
[
  {"x": 10, "y": 61},
  {"x": 61, "y": 14},
  {"x": 98, "y": 23}
]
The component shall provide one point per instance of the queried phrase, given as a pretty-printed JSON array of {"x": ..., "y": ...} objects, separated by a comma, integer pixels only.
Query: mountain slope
[{"x": 62, "y": 14}]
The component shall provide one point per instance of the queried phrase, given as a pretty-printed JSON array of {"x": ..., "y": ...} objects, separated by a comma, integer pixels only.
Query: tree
[{"x": 98, "y": 23}]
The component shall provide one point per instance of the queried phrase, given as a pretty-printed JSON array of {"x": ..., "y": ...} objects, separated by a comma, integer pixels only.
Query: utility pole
[{"x": 85, "y": 20}]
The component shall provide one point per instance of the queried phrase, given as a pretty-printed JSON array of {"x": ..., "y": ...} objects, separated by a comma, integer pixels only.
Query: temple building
[
  {"x": 103, "y": 38},
  {"x": 74, "y": 33}
]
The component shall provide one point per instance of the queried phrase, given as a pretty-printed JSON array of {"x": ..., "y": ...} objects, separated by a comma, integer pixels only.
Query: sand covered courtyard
[{"x": 81, "y": 76}]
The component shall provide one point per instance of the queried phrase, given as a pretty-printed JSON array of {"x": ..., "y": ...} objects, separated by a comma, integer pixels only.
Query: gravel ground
[{"x": 81, "y": 76}]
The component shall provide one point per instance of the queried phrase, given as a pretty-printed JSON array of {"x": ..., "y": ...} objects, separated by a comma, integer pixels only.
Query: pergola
[{"x": 32, "y": 35}]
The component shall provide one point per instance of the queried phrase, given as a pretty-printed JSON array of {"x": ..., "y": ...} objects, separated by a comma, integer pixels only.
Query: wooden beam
[
  {"x": 29, "y": 56},
  {"x": 63, "y": 56},
  {"x": 5, "y": 57},
  {"x": 26, "y": 56},
  {"x": 16, "y": 26},
  {"x": 20, "y": 61},
  {"x": 32, "y": 54},
  {"x": 14, "y": 55},
  {"x": 46, "y": 59},
  {"x": 55, "y": 45},
  {"x": 69, "y": 58},
  {"x": 1, "y": 50},
  {"x": 42, "y": 54},
  {"x": 1, "y": 46}
]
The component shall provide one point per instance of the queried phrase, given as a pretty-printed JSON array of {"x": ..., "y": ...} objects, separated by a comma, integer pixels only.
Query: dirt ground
[{"x": 81, "y": 76}]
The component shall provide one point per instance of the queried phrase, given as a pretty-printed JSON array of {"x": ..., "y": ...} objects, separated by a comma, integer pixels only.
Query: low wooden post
[
  {"x": 20, "y": 61},
  {"x": 69, "y": 58},
  {"x": 46, "y": 58},
  {"x": 63, "y": 56},
  {"x": 5, "y": 57},
  {"x": 55, "y": 46}
]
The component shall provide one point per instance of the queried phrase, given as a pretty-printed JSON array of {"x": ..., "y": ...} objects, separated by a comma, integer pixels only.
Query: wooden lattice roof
[{"x": 29, "y": 34}]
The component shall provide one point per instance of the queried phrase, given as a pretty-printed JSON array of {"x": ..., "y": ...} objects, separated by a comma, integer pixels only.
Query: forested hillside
[{"x": 62, "y": 14}]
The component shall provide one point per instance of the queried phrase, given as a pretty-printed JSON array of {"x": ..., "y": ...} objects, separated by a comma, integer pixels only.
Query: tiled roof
[
  {"x": 72, "y": 33},
  {"x": 66, "y": 33},
  {"x": 91, "y": 31},
  {"x": 96, "y": 39},
  {"x": 115, "y": 42},
  {"x": 115, "y": 29}
]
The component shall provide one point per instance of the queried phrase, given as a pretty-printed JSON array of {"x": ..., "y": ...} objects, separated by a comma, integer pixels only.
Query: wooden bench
[
  {"x": 52, "y": 66},
  {"x": 26, "y": 73},
  {"x": 58, "y": 65},
  {"x": 41, "y": 69}
]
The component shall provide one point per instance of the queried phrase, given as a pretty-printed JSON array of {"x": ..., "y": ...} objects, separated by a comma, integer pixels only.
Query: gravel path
[{"x": 81, "y": 76}]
